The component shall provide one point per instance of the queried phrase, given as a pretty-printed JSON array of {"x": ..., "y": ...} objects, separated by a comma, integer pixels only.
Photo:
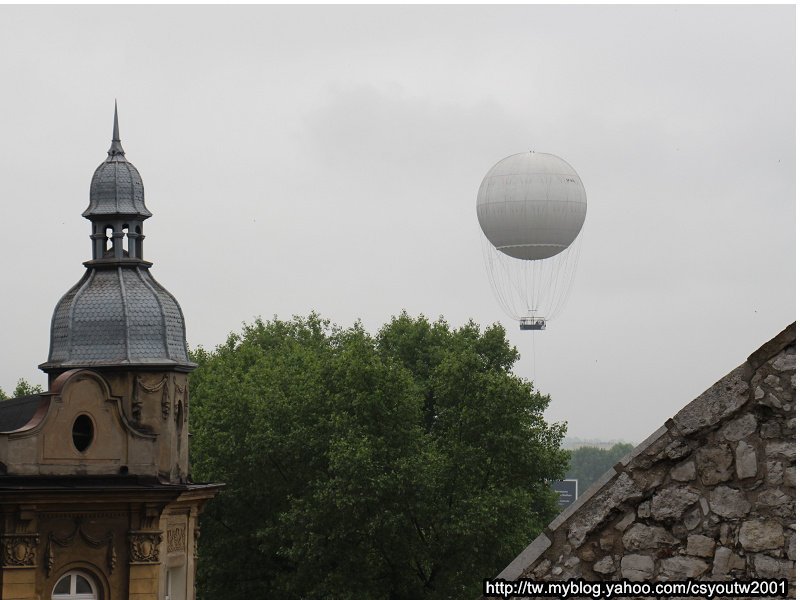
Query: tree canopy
[
  {"x": 24, "y": 388},
  {"x": 587, "y": 463},
  {"x": 408, "y": 464}
]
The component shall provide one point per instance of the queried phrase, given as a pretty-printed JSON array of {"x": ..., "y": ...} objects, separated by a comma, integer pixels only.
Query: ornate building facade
[{"x": 96, "y": 502}]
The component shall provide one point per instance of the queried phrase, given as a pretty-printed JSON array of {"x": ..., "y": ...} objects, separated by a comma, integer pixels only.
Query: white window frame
[{"x": 73, "y": 595}]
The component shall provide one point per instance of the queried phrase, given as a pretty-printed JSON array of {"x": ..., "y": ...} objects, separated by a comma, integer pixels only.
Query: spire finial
[
  {"x": 116, "y": 145},
  {"x": 116, "y": 123}
]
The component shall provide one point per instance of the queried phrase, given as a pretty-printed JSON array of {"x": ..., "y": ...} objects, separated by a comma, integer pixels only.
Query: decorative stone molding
[
  {"x": 176, "y": 538},
  {"x": 181, "y": 400},
  {"x": 136, "y": 401},
  {"x": 144, "y": 546},
  {"x": 149, "y": 516},
  {"x": 54, "y": 541},
  {"x": 19, "y": 550},
  {"x": 73, "y": 515}
]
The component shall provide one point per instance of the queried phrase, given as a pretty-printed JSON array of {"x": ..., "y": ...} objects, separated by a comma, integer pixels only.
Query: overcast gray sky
[{"x": 329, "y": 158}]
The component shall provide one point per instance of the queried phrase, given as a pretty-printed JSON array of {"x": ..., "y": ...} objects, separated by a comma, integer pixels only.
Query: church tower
[
  {"x": 95, "y": 493},
  {"x": 119, "y": 321}
]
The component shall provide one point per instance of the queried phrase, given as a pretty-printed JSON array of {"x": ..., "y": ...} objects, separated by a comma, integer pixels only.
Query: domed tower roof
[
  {"x": 117, "y": 315},
  {"x": 117, "y": 187}
]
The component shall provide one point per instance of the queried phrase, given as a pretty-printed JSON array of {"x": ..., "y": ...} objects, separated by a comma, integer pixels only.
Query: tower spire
[
  {"x": 116, "y": 145},
  {"x": 116, "y": 123}
]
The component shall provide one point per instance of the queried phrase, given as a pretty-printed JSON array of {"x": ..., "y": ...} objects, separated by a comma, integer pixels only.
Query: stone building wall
[{"x": 710, "y": 495}]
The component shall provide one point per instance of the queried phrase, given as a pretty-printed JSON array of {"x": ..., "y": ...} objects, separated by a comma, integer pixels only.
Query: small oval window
[{"x": 82, "y": 433}]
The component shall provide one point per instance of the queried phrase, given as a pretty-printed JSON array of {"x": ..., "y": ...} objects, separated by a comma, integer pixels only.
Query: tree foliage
[
  {"x": 587, "y": 463},
  {"x": 24, "y": 388},
  {"x": 409, "y": 464}
]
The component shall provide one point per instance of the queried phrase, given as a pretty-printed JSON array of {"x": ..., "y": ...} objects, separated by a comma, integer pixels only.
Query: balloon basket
[{"x": 532, "y": 324}]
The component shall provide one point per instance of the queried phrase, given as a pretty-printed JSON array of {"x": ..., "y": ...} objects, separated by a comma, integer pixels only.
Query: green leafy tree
[
  {"x": 410, "y": 464},
  {"x": 587, "y": 463},
  {"x": 24, "y": 388}
]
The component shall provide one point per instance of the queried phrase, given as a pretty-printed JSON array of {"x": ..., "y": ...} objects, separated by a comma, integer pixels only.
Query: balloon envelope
[{"x": 531, "y": 205}]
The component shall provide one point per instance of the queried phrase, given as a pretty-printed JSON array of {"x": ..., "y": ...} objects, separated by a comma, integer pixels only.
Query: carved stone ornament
[
  {"x": 176, "y": 538},
  {"x": 181, "y": 395},
  {"x": 54, "y": 541},
  {"x": 144, "y": 546},
  {"x": 19, "y": 550},
  {"x": 136, "y": 402}
]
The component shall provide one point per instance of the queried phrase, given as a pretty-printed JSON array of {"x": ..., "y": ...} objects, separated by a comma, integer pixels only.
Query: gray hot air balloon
[{"x": 531, "y": 208}]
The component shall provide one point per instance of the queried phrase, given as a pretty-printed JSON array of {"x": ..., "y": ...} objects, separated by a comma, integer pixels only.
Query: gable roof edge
[{"x": 615, "y": 486}]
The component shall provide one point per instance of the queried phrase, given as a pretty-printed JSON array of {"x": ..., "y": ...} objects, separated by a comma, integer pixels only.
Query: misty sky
[{"x": 329, "y": 158}]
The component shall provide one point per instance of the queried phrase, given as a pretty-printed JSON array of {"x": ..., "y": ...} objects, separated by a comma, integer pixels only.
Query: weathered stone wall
[{"x": 710, "y": 495}]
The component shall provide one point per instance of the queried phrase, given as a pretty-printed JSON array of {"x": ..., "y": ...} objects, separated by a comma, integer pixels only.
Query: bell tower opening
[
  {"x": 109, "y": 243},
  {"x": 125, "y": 240},
  {"x": 116, "y": 206}
]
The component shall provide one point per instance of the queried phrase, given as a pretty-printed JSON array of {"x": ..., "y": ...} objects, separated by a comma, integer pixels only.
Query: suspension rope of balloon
[
  {"x": 565, "y": 276},
  {"x": 533, "y": 360},
  {"x": 532, "y": 288}
]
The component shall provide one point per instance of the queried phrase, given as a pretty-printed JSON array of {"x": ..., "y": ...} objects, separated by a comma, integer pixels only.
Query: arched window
[
  {"x": 75, "y": 585},
  {"x": 125, "y": 249},
  {"x": 109, "y": 231}
]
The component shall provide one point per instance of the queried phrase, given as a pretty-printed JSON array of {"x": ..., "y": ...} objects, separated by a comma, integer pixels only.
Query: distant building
[
  {"x": 573, "y": 443},
  {"x": 96, "y": 501}
]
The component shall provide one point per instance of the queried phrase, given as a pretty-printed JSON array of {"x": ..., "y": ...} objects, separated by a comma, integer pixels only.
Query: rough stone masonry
[{"x": 710, "y": 495}]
